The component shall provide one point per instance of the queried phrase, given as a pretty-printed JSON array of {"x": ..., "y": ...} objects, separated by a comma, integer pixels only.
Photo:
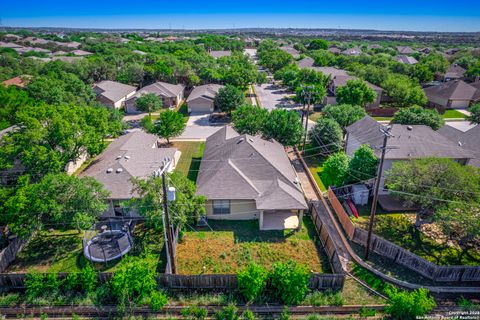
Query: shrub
[
  {"x": 289, "y": 282},
  {"x": 335, "y": 169},
  {"x": 252, "y": 281},
  {"x": 327, "y": 298},
  {"x": 158, "y": 300},
  {"x": 406, "y": 305},
  {"x": 194, "y": 313},
  {"x": 71, "y": 282},
  {"x": 248, "y": 315},
  {"x": 88, "y": 279},
  {"x": 229, "y": 312},
  {"x": 38, "y": 285}
]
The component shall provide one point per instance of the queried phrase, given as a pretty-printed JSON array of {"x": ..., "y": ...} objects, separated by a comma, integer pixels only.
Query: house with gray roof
[
  {"x": 454, "y": 72},
  {"x": 291, "y": 51},
  {"x": 170, "y": 94},
  {"x": 246, "y": 177},
  {"x": 355, "y": 51},
  {"x": 220, "y": 53},
  {"x": 306, "y": 62},
  {"x": 407, "y": 142},
  {"x": 81, "y": 53},
  {"x": 202, "y": 98},
  {"x": 455, "y": 94},
  {"x": 406, "y": 59},
  {"x": 405, "y": 50},
  {"x": 113, "y": 94},
  {"x": 468, "y": 140},
  {"x": 134, "y": 155}
]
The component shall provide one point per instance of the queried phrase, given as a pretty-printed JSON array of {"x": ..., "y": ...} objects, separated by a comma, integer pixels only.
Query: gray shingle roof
[
  {"x": 341, "y": 80},
  {"x": 135, "y": 154},
  {"x": 455, "y": 71},
  {"x": 405, "y": 50},
  {"x": 306, "y": 62},
  {"x": 162, "y": 89},
  {"x": 207, "y": 91},
  {"x": 219, "y": 54},
  {"x": 248, "y": 167},
  {"x": 452, "y": 90},
  {"x": 406, "y": 59},
  {"x": 408, "y": 142},
  {"x": 112, "y": 90},
  {"x": 469, "y": 140}
]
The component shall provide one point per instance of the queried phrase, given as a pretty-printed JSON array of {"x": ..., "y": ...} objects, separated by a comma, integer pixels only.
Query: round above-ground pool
[{"x": 107, "y": 246}]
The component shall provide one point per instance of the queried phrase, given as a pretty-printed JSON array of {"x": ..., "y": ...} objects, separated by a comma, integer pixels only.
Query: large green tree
[
  {"x": 229, "y": 98},
  {"x": 149, "y": 102},
  {"x": 326, "y": 136},
  {"x": 344, "y": 114},
  {"x": 249, "y": 119},
  {"x": 283, "y": 126},
  {"x": 169, "y": 124},
  {"x": 335, "y": 169},
  {"x": 56, "y": 200},
  {"x": 474, "y": 116},
  {"x": 316, "y": 44},
  {"x": 419, "y": 115},
  {"x": 363, "y": 165},
  {"x": 403, "y": 91},
  {"x": 355, "y": 92}
]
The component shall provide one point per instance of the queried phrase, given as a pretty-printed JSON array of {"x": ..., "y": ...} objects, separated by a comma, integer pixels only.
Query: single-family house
[
  {"x": 133, "y": 155},
  {"x": 467, "y": 139},
  {"x": 374, "y": 46},
  {"x": 113, "y": 94},
  {"x": 81, "y": 53},
  {"x": 405, "y": 50},
  {"x": 291, "y": 51},
  {"x": 454, "y": 72},
  {"x": 246, "y": 177},
  {"x": 455, "y": 94},
  {"x": 306, "y": 62},
  {"x": 220, "y": 53},
  {"x": 334, "y": 50},
  {"x": 11, "y": 37},
  {"x": 202, "y": 98},
  {"x": 171, "y": 95},
  {"x": 406, "y": 143},
  {"x": 406, "y": 59},
  {"x": 20, "y": 81},
  {"x": 355, "y": 51},
  {"x": 9, "y": 45}
]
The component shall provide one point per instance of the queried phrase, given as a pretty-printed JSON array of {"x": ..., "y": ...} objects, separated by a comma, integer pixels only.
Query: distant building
[
  {"x": 455, "y": 94},
  {"x": 406, "y": 59},
  {"x": 306, "y": 62},
  {"x": 405, "y": 50},
  {"x": 355, "y": 51},
  {"x": 291, "y": 51},
  {"x": 454, "y": 72},
  {"x": 20, "y": 81},
  {"x": 170, "y": 94},
  {"x": 113, "y": 94},
  {"x": 219, "y": 54},
  {"x": 81, "y": 53},
  {"x": 201, "y": 99}
]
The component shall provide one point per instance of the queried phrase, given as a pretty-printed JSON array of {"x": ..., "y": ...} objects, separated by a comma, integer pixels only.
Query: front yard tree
[
  {"x": 404, "y": 91},
  {"x": 419, "y": 115},
  {"x": 249, "y": 119},
  {"x": 149, "y": 102},
  {"x": 474, "y": 116},
  {"x": 57, "y": 199},
  {"x": 170, "y": 124},
  {"x": 344, "y": 114},
  {"x": 326, "y": 136},
  {"x": 316, "y": 92},
  {"x": 356, "y": 92},
  {"x": 432, "y": 183},
  {"x": 363, "y": 165},
  {"x": 283, "y": 126},
  {"x": 335, "y": 169},
  {"x": 229, "y": 98}
]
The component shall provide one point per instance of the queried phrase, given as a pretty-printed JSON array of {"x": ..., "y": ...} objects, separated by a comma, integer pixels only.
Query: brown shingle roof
[{"x": 452, "y": 90}]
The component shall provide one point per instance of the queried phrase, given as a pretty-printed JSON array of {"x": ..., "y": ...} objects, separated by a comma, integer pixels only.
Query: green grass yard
[
  {"x": 191, "y": 157},
  {"x": 315, "y": 165},
  {"x": 453, "y": 114},
  {"x": 233, "y": 244},
  {"x": 62, "y": 251}
]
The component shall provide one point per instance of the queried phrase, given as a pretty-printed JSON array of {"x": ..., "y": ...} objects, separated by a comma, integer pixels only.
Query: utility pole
[
  {"x": 307, "y": 96},
  {"x": 386, "y": 135},
  {"x": 166, "y": 218}
]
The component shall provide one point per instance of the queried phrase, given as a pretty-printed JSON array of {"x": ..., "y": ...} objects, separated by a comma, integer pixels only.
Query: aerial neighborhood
[{"x": 219, "y": 172}]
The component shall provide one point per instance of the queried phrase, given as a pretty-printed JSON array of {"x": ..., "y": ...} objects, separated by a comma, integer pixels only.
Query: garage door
[
  {"x": 200, "y": 106},
  {"x": 459, "y": 104}
]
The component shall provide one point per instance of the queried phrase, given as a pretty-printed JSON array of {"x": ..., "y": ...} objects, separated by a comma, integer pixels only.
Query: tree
[
  {"x": 289, "y": 281},
  {"x": 283, "y": 126},
  {"x": 188, "y": 207},
  {"x": 403, "y": 91},
  {"x": 12, "y": 100},
  {"x": 252, "y": 281},
  {"x": 57, "y": 198},
  {"x": 327, "y": 135},
  {"x": 474, "y": 116},
  {"x": 169, "y": 124},
  {"x": 355, "y": 92},
  {"x": 404, "y": 305},
  {"x": 363, "y": 165},
  {"x": 335, "y": 169},
  {"x": 418, "y": 115},
  {"x": 271, "y": 57},
  {"x": 148, "y": 103},
  {"x": 229, "y": 98},
  {"x": 316, "y": 91},
  {"x": 249, "y": 119},
  {"x": 344, "y": 114},
  {"x": 317, "y": 44},
  {"x": 432, "y": 183}
]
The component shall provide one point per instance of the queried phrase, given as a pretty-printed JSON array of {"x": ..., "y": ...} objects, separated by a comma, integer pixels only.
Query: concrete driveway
[
  {"x": 198, "y": 127},
  {"x": 272, "y": 96}
]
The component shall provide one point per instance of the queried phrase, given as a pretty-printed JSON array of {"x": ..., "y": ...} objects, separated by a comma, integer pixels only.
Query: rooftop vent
[
  {"x": 127, "y": 157},
  {"x": 109, "y": 170},
  {"x": 460, "y": 143},
  {"x": 118, "y": 157},
  {"x": 409, "y": 128},
  {"x": 250, "y": 139},
  {"x": 240, "y": 140},
  {"x": 119, "y": 170}
]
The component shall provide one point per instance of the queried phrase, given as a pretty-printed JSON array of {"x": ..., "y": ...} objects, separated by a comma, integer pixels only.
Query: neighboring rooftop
[
  {"x": 248, "y": 167},
  {"x": 219, "y": 54},
  {"x": 112, "y": 90},
  {"x": 355, "y": 51},
  {"x": 134, "y": 155},
  {"x": 208, "y": 91},
  {"x": 469, "y": 140},
  {"x": 162, "y": 89},
  {"x": 20, "y": 81},
  {"x": 291, "y": 50},
  {"x": 453, "y": 90},
  {"x": 405, "y": 50},
  {"x": 455, "y": 72},
  {"x": 81, "y": 53},
  {"x": 306, "y": 62},
  {"x": 406, "y": 59},
  {"x": 407, "y": 142}
]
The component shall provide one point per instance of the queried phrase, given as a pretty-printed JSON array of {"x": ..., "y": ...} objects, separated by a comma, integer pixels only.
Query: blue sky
[{"x": 439, "y": 15}]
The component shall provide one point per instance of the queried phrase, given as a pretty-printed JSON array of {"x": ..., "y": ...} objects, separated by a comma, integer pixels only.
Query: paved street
[{"x": 272, "y": 97}]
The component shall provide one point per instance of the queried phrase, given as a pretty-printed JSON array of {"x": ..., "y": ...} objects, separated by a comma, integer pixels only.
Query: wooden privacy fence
[
  {"x": 401, "y": 256},
  {"x": 178, "y": 282},
  {"x": 9, "y": 253}
]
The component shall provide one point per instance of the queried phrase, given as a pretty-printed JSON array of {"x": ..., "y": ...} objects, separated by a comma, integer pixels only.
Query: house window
[{"x": 221, "y": 206}]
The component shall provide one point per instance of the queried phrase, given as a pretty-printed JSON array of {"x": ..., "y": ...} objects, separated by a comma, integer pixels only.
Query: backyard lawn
[
  {"x": 61, "y": 251},
  {"x": 399, "y": 228},
  {"x": 315, "y": 165},
  {"x": 453, "y": 114},
  {"x": 231, "y": 245},
  {"x": 191, "y": 157}
]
